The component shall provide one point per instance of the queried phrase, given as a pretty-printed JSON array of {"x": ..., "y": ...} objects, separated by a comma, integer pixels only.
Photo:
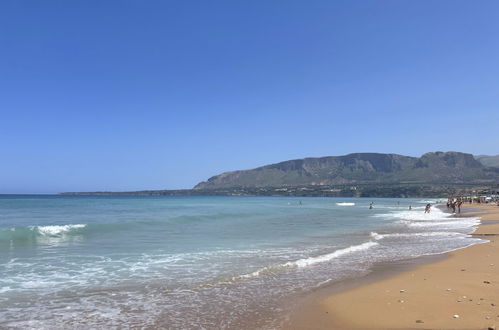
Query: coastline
[{"x": 423, "y": 293}]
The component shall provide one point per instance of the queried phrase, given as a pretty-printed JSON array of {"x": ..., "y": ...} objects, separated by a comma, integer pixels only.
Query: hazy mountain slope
[
  {"x": 491, "y": 161},
  {"x": 433, "y": 167}
]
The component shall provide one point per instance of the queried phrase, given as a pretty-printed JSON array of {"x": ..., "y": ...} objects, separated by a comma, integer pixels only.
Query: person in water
[
  {"x": 410, "y": 207},
  {"x": 427, "y": 208},
  {"x": 371, "y": 206}
]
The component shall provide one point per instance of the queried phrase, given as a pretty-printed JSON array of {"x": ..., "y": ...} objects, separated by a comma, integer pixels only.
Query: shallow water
[{"x": 194, "y": 262}]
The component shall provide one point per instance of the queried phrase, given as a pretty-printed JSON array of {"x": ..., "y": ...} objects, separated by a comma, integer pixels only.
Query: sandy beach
[{"x": 459, "y": 290}]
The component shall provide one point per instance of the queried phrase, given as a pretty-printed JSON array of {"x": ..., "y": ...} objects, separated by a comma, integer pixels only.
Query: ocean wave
[
  {"x": 5, "y": 289},
  {"x": 327, "y": 257},
  {"x": 36, "y": 232},
  {"x": 58, "y": 230},
  {"x": 308, "y": 261},
  {"x": 468, "y": 223},
  {"x": 415, "y": 215},
  {"x": 435, "y": 215},
  {"x": 398, "y": 207},
  {"x": 345, "y": 204},
  {"x": 259, "y": 272},
  {"x": 429, "y": 201},
  {"x": 378, "y": 237}
]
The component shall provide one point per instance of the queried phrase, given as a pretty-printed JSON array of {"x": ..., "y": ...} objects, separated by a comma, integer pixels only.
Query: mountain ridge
[{"x": 360, "y": 168}]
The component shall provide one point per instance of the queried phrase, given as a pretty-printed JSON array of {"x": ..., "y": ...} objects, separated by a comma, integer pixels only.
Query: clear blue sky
[{"x": 125, "y": 95}]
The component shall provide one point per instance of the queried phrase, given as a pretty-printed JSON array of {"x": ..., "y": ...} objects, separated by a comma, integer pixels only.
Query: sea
[{"x": 114, "y": 262}]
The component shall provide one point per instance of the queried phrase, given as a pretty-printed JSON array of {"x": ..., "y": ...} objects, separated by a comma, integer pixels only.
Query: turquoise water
[{"x": 192, "y": 262}]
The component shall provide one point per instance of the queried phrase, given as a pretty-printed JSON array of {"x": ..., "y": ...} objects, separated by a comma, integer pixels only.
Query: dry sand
[{"x": 460, "y": 291}]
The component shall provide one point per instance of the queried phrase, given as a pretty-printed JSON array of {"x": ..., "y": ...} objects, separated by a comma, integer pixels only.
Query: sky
[{"x": 130, "y": 95}]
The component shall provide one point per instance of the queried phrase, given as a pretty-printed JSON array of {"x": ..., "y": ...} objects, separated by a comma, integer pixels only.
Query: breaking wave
[
  {"x": 37, "y": 232},
  {"x": 327, "y": 257},
  {"x": 378, "y": 237},
  {"x": 435, "y": 219},
  {"x": 309, "y": 261}
]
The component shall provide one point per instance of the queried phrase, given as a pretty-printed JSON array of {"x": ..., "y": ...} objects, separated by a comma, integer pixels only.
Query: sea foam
[
  {"x": 39, "y": 232},
  {"x": 57, "y": 230},
  {"x": 378, "y": 236},
  {"x": 308, "y": 261},
  {"x": 327, "y": 257}
]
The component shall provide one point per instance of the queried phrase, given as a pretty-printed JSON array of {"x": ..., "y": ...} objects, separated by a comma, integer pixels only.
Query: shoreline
[{"x": 427, "y": 292}]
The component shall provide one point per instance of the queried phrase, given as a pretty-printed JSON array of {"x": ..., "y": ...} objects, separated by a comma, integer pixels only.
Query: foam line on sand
[{"x": 460, "y": 291}]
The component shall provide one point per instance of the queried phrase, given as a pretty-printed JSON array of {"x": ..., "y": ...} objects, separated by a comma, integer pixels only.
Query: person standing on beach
[{"x": 459, "y": 206}]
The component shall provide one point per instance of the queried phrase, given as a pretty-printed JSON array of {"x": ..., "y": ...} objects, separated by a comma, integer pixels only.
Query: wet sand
[{"x": 457, "y": 290}]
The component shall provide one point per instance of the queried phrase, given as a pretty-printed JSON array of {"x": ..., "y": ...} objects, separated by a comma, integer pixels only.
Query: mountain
[
  {"x": 490, "y": 161},
  {"x": 361, "y": 168}
]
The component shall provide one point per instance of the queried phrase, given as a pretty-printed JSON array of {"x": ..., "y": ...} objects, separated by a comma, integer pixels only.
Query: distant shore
[
  {"x": 459, "y": 290},
  {"x": 399, "y": 190}
]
